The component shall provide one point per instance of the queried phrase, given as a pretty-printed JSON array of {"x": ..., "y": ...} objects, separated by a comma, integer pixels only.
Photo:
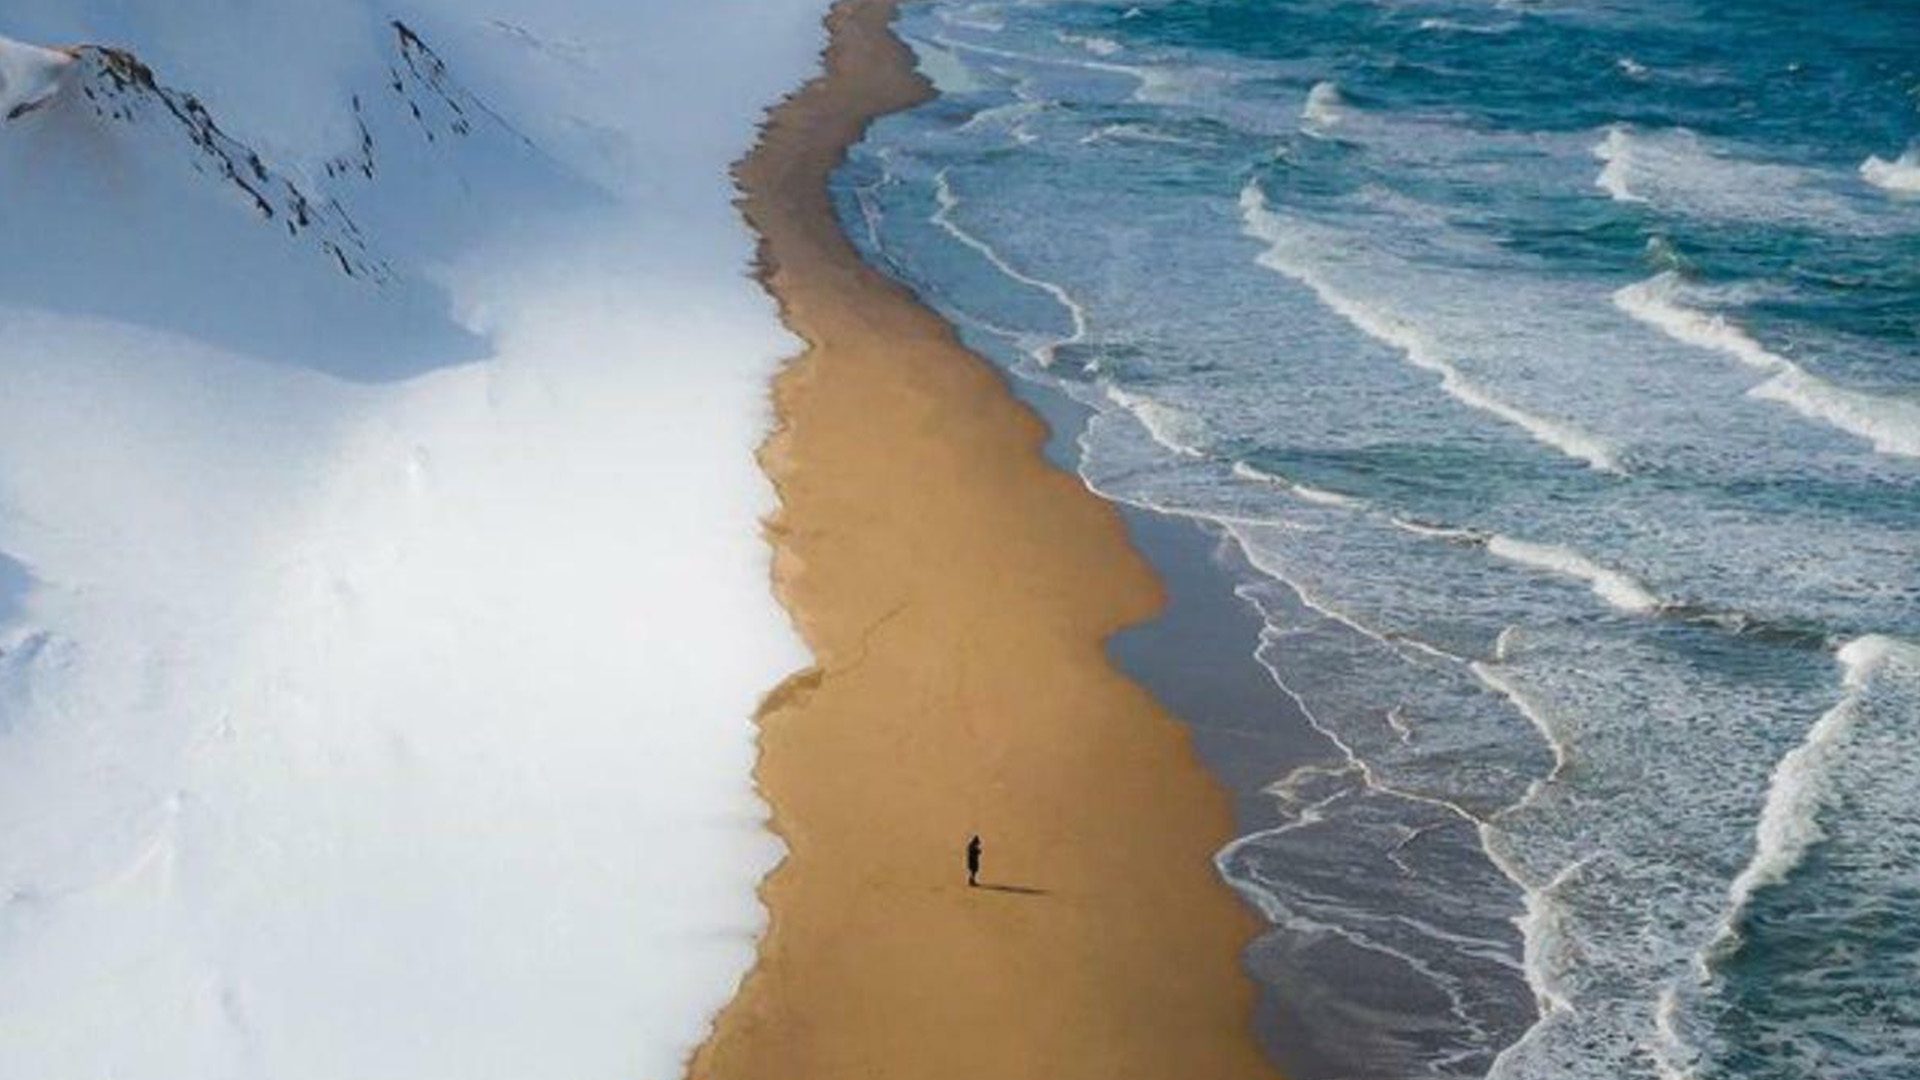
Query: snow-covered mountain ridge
[
  {"x": 28, "y": 76},
  {"x": 418, "y": 100},
  {"x": 382, "y": 603},
  {"x": 118, "y": 87}
]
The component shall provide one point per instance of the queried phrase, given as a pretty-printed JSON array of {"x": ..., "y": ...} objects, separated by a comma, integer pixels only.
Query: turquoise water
[{"x": 1557, "y": 368}]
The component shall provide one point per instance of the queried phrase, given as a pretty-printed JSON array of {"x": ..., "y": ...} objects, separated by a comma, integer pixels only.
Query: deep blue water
[{"x": 1557, "y": 367}]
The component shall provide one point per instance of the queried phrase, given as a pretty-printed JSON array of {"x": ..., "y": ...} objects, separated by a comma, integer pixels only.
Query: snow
[
  {"x": 378, "y": 650},
  {"x": 28, "y": 76}
]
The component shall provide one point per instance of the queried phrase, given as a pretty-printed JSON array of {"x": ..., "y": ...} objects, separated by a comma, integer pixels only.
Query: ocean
[{"x": 1551, "y": 374}]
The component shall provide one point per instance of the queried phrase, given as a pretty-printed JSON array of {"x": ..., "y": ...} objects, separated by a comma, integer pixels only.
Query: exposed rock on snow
[
  {"x": 118, "y": 86},
  {"x": 378, "y": 652}
]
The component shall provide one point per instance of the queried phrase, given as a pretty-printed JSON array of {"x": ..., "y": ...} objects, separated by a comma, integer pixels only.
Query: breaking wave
[{"x": 1892, "y": 425}]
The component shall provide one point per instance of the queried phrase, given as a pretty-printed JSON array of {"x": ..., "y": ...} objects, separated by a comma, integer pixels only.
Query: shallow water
[{"x": 1553, "y": 366}]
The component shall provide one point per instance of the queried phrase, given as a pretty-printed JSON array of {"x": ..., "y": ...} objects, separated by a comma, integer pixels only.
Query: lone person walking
[{"x": 973, "y": 862}]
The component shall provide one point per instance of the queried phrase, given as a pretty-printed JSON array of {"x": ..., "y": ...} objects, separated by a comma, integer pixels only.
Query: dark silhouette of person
[{"x": 973, "y": 862}]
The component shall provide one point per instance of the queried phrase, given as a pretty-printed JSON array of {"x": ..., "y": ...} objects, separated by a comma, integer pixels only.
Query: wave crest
[
  {"x": 1282, "y": 257},
  {"x": 1619, "y": 590},
  {"x": 1901, "y": 176},
  {"x": 1324, "y": 107},
  {"x": 1892, "y": 425},
  {"x": 1679, "y": 171},
  {"x": 1789, "y": 824}
]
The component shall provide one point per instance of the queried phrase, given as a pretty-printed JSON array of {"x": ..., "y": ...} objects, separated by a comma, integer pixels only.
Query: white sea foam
[
  {"x": 1892, "y": 425},
  {"x": 1542, "y": 929},
  {"x": 1323, "y": 497},
  {"x": 1789, "y": 824},
  {"x": 1295, "y": 488},
  {"x": 1283, "y": 256},
  {"x": 1614, "y": 151},
  {"x": 946, "y": 202},
  {"x": 1266, "y": 563},
  {"x": 1153, "y": 85},
  {"x": 1093, "y": 43},
  {"x": 1310, "y": 915},
  {"x": 1006, "y": 116},
  {"x": 982, "y": 17},
  {"x": 1454, "y": 26},
  {"x": 866, "y": 197},
  {"x": 943, "y": 68},
  {"x": 1491, "y": 675},
  {"x": 1324, "y": 107},
  {"x": 1673, "y": 1055},
  {"x": 1176, "y": 429},
  {"x": 1541, "y": 926},
  {"x": 1619, "y": 590},
  {"x": 1678, "y": 171},
  {"x": 1901, "y": 176},
  {"x": 1141, "y": 133},
  {"x": 1438, "y": 532}
]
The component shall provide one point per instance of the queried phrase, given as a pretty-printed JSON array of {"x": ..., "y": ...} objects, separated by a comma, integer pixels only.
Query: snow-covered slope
[
  {"x": 382, "y": 606},
  {"x": 29, "y": 75}
]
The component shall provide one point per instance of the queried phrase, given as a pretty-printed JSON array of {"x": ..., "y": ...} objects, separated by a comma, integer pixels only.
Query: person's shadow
[{"x": 1018, "y": 890}]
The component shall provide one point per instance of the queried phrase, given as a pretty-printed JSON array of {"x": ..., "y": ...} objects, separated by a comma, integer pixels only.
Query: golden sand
[{"x": 956, "y": 591}]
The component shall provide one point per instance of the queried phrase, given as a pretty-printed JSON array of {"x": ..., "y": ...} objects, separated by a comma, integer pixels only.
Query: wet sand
[{"x": 957, "y": 592}]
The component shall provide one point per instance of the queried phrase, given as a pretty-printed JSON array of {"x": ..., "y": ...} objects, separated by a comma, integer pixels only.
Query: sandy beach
[{"x": 956, "y": 592}]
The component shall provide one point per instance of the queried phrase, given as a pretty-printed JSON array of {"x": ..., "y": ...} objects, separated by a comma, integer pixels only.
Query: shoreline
[
  {"x": 958, "y": 593},
  {"x": 1194, "y": 657}
]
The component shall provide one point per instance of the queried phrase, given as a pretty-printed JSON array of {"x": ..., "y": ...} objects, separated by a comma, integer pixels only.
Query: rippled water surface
[{"x": 1556, "y": 366}]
